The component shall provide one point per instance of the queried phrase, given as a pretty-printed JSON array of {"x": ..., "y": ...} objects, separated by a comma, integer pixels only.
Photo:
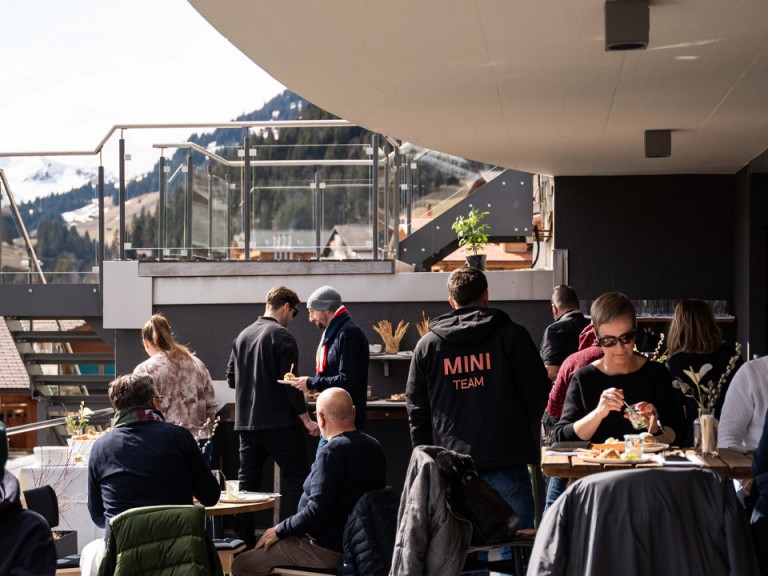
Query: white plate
[
  {"x": 405, "y": 353},
  {"x": 654, "y": 447},
  {"x": 619, "y": 461},
  {"x": 289, "y": 382}
]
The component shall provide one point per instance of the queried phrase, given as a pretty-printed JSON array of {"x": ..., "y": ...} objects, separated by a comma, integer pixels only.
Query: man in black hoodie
[{"x": 476, "y": 385}]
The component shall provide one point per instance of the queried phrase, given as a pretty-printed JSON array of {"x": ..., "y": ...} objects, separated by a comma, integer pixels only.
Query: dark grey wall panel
[
  {"x": 648, "y": 236},
  {"x": 210, "y": 330}
]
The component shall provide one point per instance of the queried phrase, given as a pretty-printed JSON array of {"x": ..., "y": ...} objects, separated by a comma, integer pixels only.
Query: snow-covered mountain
[{"x": 37, "y": 176}]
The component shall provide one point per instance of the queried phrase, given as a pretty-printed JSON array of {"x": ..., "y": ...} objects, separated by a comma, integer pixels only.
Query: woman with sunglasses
[{"x": 595, "y": 404}]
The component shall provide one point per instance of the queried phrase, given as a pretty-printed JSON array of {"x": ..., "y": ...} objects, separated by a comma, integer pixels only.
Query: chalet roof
[
  {"x": 353, "y": 235},
  {"x": 13, "y": 374}
]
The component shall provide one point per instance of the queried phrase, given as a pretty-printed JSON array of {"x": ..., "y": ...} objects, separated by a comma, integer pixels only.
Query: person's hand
[
  {"x": 648, "y": 411},
  {"x": 312, "y": 428},
  {"x": 611, "y": 400},
  {"x": 300, "y": 383},
  {"x": 267, "y": 539}
]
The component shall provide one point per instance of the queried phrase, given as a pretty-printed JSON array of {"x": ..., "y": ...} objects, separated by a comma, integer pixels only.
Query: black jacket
[
  {"x": 476, "y": 386},
  {"x": 347, "y": 363},
  {"x": 26, "y": 541},
  {"x": 369, "y": 535},
  {"x": 261, "y": 355}
]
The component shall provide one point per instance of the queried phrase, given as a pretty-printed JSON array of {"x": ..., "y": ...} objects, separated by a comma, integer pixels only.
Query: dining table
[
  {"x": 241, "y": 505},
  {"x": 730, "y": 463}
]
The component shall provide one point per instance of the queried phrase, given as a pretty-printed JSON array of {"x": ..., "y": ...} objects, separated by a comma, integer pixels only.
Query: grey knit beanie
[{"x": 324, "y": 298}]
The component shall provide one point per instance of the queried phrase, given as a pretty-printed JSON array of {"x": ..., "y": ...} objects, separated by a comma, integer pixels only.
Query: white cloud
[{"x": 71, "y": 70}]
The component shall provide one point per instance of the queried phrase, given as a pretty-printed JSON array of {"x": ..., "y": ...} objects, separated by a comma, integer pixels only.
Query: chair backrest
[
  {"x": 649, "y": 521},
  {"x": 369, "y": 534},
  {"x": 43, "y": 500},
  {"x": 160, "y": 539}
]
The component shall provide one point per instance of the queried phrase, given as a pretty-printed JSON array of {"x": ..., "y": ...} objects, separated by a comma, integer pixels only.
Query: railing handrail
[
  {"x": 34, "y": 426},
  {"x": 241, "y": 163},
  {"x": 214, "y": 125}
]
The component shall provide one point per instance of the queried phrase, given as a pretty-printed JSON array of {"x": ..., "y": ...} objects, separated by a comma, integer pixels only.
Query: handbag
[{"x": 493, "y": 519}]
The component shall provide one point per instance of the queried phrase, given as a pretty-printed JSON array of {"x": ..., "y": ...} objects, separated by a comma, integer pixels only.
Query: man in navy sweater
[
  {"x": 143, "y": 461},
  {"x": 350, "y": 464}
]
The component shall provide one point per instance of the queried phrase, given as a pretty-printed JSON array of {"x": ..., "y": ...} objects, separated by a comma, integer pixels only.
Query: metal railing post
[
  {"x": 100, "y": 257},
  {"x": 408, "y": 196},
  {"x": 210, "y": 211},
  {"x": 246, "y": 215},
  {"x": 161, "y": 211},
  {"x": 375, "y": 195},
  {"x": 122, "y": 234},
  {"x": 190, "y": 193},
  {"x": 318, "y": 213},
  {"x": 228, "y": 217}
]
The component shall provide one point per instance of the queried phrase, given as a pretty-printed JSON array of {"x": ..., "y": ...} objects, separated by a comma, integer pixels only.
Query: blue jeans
[
  {"x": 555, "y": 487},
  {"x": 514, "y": 484}
]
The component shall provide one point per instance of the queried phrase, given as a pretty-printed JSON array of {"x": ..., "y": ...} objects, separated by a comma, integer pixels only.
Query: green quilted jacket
[{"x": 161, "y": 540}]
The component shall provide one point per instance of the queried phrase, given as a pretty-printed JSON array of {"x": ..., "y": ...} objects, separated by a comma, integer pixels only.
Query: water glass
[
  {"x": 233, "y": 489},
  {"x": 636, "y": 418},
  {"x": 633, "y": 446}
]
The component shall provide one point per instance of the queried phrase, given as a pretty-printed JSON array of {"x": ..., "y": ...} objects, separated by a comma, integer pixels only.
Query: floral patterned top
[{"x": 187, "y": 390}]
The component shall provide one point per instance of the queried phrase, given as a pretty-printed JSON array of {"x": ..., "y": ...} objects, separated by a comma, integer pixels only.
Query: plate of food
[
  {"x": 397, "y": 397},
  {"x": 657, "y": 447},
  {"x": 609, "y": 444},
  {"x": 288, "y": 378},
  {"x": 244, "y": 497},
  {"x": 289, "y": 382},
  {"x": 613, "y": 456}
]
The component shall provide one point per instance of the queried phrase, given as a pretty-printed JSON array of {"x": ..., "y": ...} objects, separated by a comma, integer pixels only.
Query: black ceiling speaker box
[
  {"x": 658, "y": 143},
  {"x": 626, "y": 25}
]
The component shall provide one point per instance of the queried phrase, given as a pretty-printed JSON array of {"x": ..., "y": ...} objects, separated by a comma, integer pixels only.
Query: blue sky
[{"x": 72, "y": 69}]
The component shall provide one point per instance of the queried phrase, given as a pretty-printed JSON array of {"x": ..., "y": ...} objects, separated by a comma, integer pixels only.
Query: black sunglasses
[
  {"x": 295, "y": 311},
  {"x": 610, "y": 341}
]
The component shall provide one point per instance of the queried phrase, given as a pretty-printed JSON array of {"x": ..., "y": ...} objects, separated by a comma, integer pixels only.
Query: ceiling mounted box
[
  {"x": 658, "y": 143},
  {"x": 626, "y": 25}
]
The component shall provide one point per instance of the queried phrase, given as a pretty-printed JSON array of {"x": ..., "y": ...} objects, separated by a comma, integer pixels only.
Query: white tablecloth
[{"x": 70, "y": 483}]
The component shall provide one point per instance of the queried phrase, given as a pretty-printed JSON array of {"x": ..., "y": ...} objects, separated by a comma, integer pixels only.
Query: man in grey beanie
[{"x": 342, "y": 356}]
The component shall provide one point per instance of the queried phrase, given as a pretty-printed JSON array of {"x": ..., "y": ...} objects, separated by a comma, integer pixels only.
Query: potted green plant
[{"x": 473, "y": 236}]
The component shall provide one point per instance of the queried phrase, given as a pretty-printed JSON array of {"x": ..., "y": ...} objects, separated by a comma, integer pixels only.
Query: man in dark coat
[
  {"x": 342, "y": 356},
  {"x": 561, "y": 338},
  {"x": 271, "y": 418},
  {"x": 477, "y": 385}
]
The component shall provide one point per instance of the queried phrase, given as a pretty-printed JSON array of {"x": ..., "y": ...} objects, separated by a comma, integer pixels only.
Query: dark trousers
[{"x": 287, "y": 446}]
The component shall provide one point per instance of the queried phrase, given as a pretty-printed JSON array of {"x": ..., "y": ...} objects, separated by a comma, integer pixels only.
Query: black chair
[{"x": 43, "y": 500}]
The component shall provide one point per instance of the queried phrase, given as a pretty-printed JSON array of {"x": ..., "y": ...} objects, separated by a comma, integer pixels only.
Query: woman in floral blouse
[{"x": 186, "y": 391}]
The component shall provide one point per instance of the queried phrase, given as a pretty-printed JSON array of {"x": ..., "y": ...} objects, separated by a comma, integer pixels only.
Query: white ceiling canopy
[{"x": 525, "y": 84}]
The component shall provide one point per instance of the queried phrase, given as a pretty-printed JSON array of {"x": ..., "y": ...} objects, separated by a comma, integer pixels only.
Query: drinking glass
[
  {"x": 633, "y": 446},
  {"x": 233, "y": 489},
  {"x": 636, "y": 418}
]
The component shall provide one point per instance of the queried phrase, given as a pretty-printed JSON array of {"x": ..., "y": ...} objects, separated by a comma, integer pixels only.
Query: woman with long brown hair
[
  {"x": 694, "y": 340},
  {"x": 186, "y": 391}
]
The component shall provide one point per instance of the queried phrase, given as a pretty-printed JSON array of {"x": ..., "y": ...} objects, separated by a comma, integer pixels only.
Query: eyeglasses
[
  {"x": 295, "y": 311},
  {"x": 610, "y": 341}
]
